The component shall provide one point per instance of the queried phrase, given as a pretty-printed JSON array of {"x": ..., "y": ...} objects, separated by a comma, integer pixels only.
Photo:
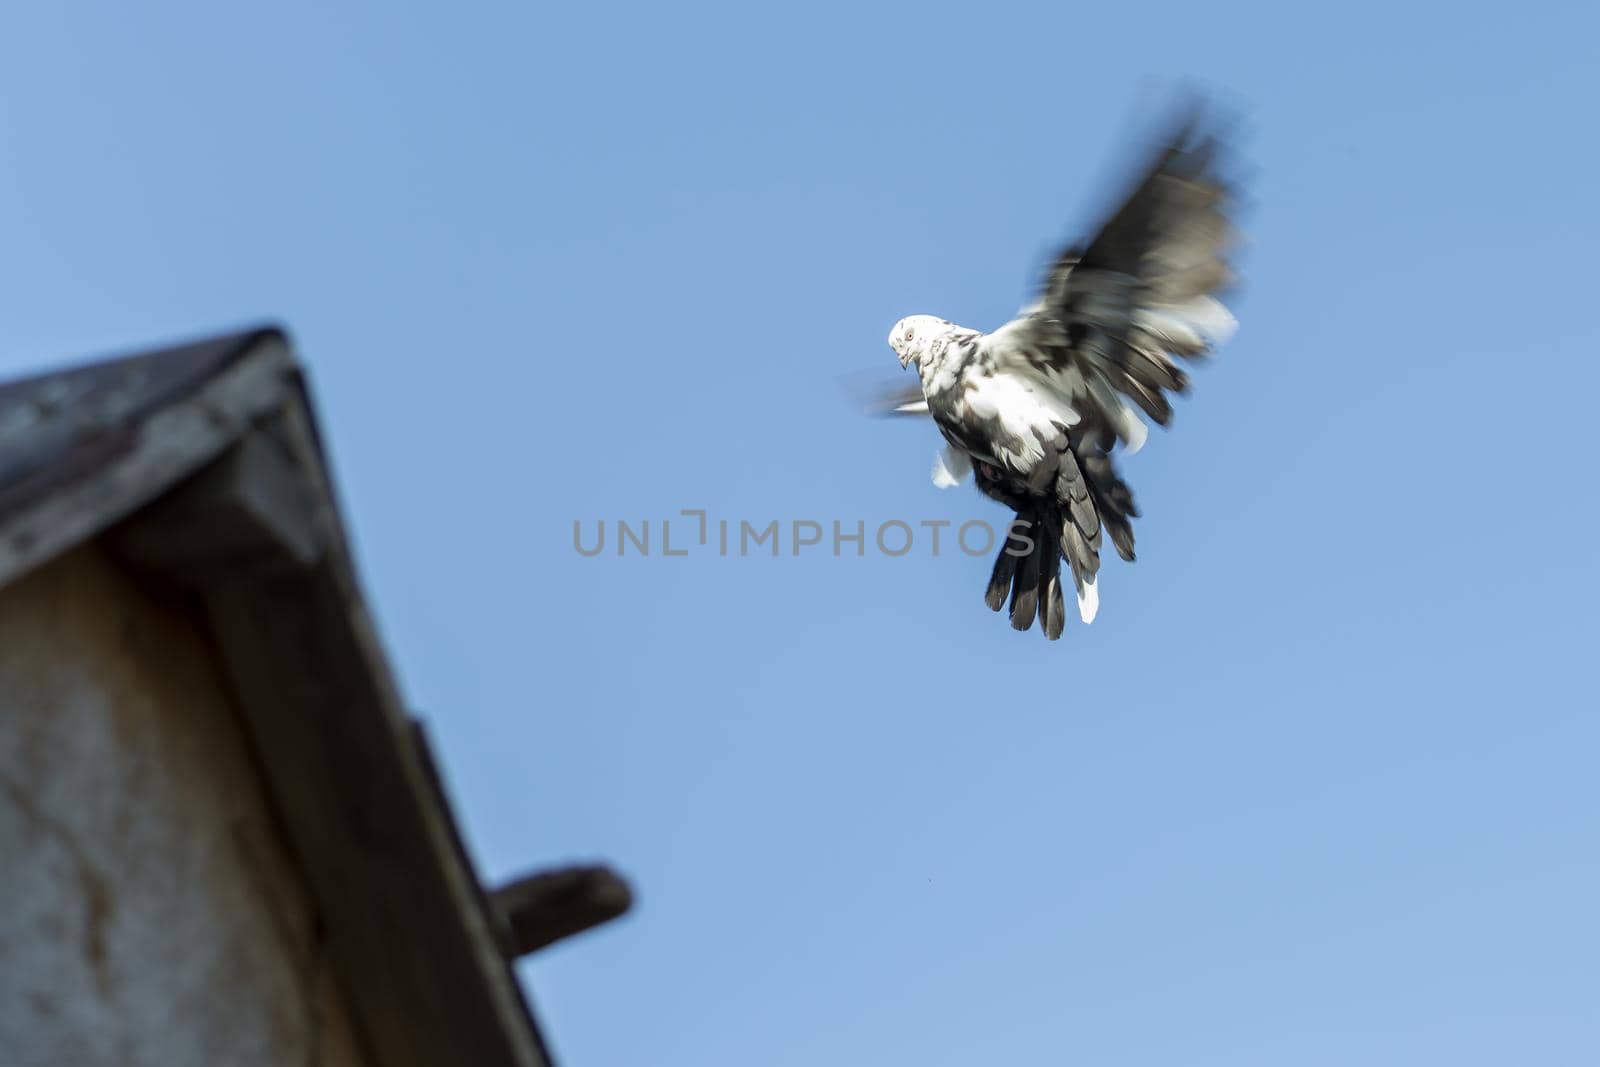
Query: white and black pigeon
[{"x": 1035, "y": 410}]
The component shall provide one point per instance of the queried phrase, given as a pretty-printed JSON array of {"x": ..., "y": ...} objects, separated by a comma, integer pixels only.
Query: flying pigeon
[{"x": 1036, "y": 410}]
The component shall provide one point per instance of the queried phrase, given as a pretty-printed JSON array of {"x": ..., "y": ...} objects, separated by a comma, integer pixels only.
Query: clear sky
[{"x": 1318, "y": 786}]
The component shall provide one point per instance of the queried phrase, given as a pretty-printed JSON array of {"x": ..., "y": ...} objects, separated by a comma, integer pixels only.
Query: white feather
[
  {"x": 1028, "y": 410},
  {"x": 950, "y": 468},
  {"x": 1088, "y": 601},
  {"x": 1203, "y": 319},
  {"x": 1134, "y": 431}
]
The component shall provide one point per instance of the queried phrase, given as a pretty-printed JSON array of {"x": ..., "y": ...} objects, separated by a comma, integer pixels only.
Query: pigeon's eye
[{"x": 910, "y": 333}]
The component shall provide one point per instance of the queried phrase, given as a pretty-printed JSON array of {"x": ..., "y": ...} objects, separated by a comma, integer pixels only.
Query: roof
[
  {"x": 61, "y": 428},
  {"x": 201, "y": 465}
]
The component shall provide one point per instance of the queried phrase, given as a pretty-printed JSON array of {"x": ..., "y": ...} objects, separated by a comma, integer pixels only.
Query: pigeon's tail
[
  {"x": 1092, "y": 502},
  {"x": 1029, "y": 568},
  {"x": 1088, "y": 502}
]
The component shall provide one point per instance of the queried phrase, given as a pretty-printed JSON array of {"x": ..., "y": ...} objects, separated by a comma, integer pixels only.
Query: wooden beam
[{"x": 547, "y": 906}]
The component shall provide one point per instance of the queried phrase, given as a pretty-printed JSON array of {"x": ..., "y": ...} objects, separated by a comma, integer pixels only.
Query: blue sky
[{"x": 1318, "y": 785}]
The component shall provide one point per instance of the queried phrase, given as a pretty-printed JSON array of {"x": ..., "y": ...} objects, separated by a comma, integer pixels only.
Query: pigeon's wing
[
  {"x": 879, "y": 395},
  {"x": 903, "y": 400},
  {"x": 1117, "y": 313},
  {"x": 952, "y": 465}
]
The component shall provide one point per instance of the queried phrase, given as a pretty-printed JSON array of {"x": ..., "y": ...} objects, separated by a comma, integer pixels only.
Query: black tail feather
[
  {"x": 1025, "y": 588},
  {"x": 1112, "y": 497},
  {"x": 1005, "y": 567},
  {"x": 1052, "y": 606}
]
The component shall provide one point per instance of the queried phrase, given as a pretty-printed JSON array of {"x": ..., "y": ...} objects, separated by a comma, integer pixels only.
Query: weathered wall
[{"x": 151, "y": 914}]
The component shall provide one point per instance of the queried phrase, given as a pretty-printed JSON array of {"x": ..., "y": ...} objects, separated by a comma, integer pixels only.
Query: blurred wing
[
  {"x": 900, "y": 400},
  {"x": 1115, "y": 315},
  {"x": 951, "y": 466}
]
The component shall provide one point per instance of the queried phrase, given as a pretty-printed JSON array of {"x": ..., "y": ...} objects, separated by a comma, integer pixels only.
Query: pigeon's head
[{"x": 912, "y": 335}]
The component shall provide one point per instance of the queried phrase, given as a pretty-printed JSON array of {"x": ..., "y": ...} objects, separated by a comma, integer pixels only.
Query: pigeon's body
[{"x": 1036, "y": 409}]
